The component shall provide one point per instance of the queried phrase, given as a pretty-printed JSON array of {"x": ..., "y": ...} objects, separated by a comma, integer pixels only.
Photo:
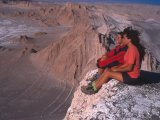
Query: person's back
[{"x": 132, "y": 57}]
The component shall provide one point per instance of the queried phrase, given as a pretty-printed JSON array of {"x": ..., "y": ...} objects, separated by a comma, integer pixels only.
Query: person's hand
[
  {"x": 114, "y": 69},
  {"x": 104, "y": 57}
]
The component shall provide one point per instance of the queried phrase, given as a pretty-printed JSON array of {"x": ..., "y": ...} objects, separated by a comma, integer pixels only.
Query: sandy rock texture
[{"x": 116, "y": 100}]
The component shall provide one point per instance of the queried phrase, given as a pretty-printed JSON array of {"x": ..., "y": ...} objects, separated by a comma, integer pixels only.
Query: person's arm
[
  {"x": 108, "y": 55},
  {"x": 116, "y": 58},
  {"x": 112, "y": 52},
  {"x": 129, "y": 63},
  {"x": 123, "y": 68}
]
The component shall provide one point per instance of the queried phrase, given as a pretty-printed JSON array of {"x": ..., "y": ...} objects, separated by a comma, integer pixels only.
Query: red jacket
[{"x": 114, "y": 58}]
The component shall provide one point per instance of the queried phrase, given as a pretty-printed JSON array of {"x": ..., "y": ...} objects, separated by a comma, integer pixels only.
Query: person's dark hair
[
  {"x": 134, "y": 36},
  {"x": 120, "y": 33}
]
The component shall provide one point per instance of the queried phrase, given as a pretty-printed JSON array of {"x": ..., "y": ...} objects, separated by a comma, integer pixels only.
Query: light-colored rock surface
[{"x": 115, "y": 101}]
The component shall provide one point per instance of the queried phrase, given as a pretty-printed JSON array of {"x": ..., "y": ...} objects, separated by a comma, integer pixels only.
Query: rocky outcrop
[
  {"x": 150, "y": 62},
  {"x": 29, "y": 90},
  {"x": 70, "y": 57},
  {"x": 116, "y": 100},
  {"x": 75, "y": 54}
]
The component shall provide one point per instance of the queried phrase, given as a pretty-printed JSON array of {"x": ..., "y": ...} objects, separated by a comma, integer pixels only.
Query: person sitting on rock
[
  {"x": 127, "y": 73},
  {"x": 111, "y": 58}
]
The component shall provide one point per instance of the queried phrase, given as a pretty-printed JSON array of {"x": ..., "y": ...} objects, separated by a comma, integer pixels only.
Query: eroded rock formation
[{"x": 37, "y": 95}]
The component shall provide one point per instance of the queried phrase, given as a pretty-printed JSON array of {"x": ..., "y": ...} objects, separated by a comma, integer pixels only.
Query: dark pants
[{"x": 128, "y": 80}]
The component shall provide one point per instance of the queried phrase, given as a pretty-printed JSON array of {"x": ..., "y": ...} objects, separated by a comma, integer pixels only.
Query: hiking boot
[
  {"x": 88, "y": 90},
  {"x": 94, "y": 77}
]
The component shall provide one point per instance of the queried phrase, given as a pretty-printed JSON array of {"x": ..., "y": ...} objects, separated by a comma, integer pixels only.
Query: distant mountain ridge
[{"x": 153, "y": 2}]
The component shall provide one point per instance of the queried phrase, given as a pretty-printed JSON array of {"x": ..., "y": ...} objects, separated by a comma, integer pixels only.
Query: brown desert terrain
[{"x": 45, "y": 51}]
